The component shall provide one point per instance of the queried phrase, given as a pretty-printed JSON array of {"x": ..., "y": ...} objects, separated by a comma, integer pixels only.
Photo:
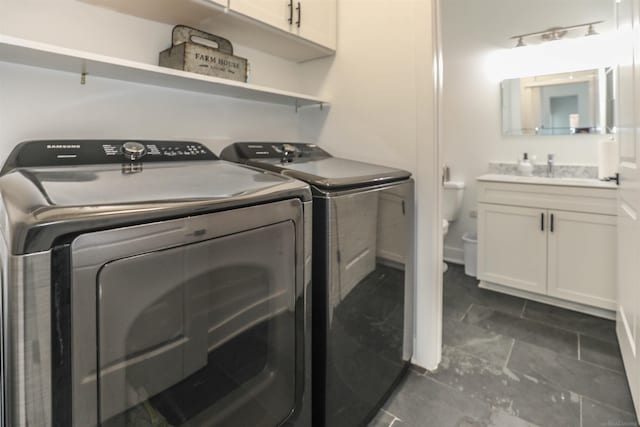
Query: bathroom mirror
[{"x": 572, "y": 103}]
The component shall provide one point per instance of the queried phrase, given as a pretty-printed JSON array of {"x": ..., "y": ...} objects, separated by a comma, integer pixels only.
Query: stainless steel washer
[
  {"x": 363, "y": 257},
  {"x": 148, "y": 283}
]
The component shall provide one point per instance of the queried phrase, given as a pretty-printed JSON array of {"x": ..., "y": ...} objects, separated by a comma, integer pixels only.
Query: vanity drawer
[{"x": 577, "y": 199}]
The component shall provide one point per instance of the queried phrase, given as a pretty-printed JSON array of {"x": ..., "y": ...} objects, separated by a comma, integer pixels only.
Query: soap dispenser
[{"x": 525, "y": 167}]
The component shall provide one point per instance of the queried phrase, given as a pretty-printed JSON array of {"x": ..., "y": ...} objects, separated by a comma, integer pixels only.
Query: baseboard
[
  {"x": 454, "y": 255},
  {"x": 575, "y": 306}
]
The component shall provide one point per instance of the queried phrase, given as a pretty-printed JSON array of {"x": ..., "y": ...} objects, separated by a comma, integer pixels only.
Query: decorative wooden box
[{"x": 193, "y": 51}]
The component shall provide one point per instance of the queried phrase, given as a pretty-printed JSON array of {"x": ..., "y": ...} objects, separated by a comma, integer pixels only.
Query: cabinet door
[
  {"x": 317, "y": 21},
  {"x": 223, "y": 3},
  {"x": 272, "y": 12},
  {"x": 512, "y": 246},
  {"x": 582, "y": 258}
]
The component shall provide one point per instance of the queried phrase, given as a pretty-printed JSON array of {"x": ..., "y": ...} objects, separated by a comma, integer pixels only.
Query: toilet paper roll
[{"x": 607, "y": 158}]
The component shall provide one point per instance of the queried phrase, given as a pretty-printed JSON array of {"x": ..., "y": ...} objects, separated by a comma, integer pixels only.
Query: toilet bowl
[{"x": 452, "y": 196}]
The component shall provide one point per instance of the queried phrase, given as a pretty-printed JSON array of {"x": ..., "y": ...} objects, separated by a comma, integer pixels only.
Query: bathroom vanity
[{"x": 549, "y": 239}]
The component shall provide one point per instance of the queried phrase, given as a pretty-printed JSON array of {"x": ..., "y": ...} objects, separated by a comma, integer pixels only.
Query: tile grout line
[
  {"x": 449, "y": 386},
  {"x": 544, "y": 323},
  {"x": 389, "y": 413},
  {"x": 555, "y": 325},
  {"x": 606, "y": 368},
  {"x": 580, "y": 411},
  {"x": 579, "y": 355},
  {"x": 607, "y": 405},
  {"x": 466, "y": 312},
  {"x": 513, "y": 344}
]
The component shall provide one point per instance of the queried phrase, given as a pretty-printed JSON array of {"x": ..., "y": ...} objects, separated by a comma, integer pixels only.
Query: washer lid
[
  {"x": 39, "y": 204},
  {"x": 103, "y": 185},
  {"x": 334, "y": 172}
]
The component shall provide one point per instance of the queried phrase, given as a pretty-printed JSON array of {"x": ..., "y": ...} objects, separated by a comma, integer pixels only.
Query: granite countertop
[{"x": 543, "y": 180}]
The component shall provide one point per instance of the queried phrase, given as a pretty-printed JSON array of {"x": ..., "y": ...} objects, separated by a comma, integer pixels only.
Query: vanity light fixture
[
  {"x": 556, "y": 33},
  {"x": 591, "y": 31}
]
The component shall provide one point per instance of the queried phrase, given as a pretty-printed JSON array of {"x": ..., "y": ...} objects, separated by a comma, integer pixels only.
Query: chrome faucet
[{"x": 550, "y": 160}]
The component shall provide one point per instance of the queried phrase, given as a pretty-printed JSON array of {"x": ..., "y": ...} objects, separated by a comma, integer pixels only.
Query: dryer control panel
[
  {"x": 288, "y": 151},
  {"x": 88, "y": 152}
]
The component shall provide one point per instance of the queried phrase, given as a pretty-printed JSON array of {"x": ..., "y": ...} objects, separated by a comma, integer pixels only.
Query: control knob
[
  {"x": 289, "y": 148},
  {"x": 288, "y": 152},
  {"x": 133, "y": 150}
]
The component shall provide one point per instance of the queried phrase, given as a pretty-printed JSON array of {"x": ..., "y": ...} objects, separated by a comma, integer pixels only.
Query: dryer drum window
[{"x": 197, "y": 334}]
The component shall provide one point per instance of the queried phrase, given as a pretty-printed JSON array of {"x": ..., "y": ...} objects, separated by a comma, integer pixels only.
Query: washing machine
[
  {"x": 149, "y": 283},
  {"x": 363, "y": 275}
]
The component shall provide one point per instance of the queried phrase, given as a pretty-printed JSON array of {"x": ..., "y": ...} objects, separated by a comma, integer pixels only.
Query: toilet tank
[{"x": 452, "y": 199}]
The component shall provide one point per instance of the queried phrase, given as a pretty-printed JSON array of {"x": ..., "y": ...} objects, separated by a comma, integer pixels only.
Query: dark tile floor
[{"x": 510, "y": 362}]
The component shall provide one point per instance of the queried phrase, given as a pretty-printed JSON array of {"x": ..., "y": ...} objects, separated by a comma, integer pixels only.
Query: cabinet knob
[
  {"x": 542, "y": 222},
  {"x": 290, "y": 12},
  {"x": 299, "y": 9}
]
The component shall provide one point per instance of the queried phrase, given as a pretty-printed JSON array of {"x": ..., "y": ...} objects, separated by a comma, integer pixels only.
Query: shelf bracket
[
  {"x": 321, "y": 106},
  {"x": 297, "y": 106}
]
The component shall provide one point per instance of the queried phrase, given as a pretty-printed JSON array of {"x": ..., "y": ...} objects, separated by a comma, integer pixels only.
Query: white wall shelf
[{"x": 43, "y": 55}]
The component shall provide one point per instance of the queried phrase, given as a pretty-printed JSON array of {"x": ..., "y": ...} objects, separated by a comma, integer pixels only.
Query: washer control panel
[
  {"x": 86, "y": 152},
  {"x": 164, "y": 151}
]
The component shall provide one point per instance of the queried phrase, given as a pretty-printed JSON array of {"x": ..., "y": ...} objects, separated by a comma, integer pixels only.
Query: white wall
[
  {"x": 477, "y": 56},
  {"x": 42, "y": 104},
  {"x": 381, "y": 89}
]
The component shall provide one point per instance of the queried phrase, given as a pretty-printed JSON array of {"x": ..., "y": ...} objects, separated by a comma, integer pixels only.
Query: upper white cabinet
[
  {"x": 277, "y": 13},
  {"x": 297, "y": 30},
  {"x": 222, "y": 3},
  {"x": 312, "y": 20},
  {"x": 315, "y": 20}
]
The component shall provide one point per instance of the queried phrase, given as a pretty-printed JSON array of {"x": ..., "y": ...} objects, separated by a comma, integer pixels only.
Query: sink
[{"x": 543, "y": 180}]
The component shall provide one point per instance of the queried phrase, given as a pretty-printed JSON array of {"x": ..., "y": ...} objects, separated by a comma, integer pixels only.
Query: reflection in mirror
[{"x": 578, "y": 102}]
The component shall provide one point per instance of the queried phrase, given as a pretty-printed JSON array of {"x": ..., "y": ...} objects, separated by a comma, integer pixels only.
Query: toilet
[{"x": 451, "y": 204}]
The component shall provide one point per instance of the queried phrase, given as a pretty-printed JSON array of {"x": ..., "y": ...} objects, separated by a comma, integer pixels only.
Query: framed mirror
[{"x": 571, "y": 103}]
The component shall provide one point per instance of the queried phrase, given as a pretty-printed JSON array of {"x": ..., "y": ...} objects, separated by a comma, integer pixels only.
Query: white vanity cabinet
[
  {"x": 512, "y": 248},
  {"x": 312, "y": 20},
  {"x": 581, "y": 258},
  {"x": 557, "y": 242}
]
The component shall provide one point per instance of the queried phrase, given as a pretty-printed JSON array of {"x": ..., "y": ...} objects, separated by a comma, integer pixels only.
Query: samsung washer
[
  {"x": 148, "y": 283},
  {"x": 363, "y": 258}
]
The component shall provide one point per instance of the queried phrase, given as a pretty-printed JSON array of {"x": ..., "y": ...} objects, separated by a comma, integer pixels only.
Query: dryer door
[
  {"x": 363, "y": 296},
  {"x": 194, "y": 323}
]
